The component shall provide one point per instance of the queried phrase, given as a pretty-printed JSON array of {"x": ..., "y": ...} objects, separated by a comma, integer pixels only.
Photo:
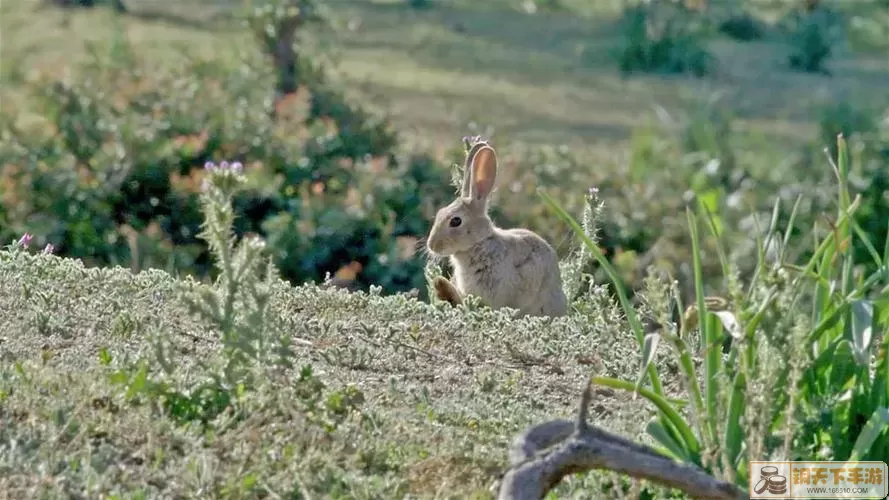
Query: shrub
[
  {"x": 420, "y": 4},
  {"x": 663, "y": 37},
  {"x": 812, "y": 37},
  {"x": 118, "y": 5},
  {"x": 742, "y": 26},
  {"x": 113, "y": 177}
]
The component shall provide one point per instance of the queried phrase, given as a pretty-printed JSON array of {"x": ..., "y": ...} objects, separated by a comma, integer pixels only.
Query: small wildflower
[
  {"x": 25, "y": 240},
  {"x": 49, "y": 248},
  {"x": 237, "y": 167},
  {"x": 209, "y": 166}
]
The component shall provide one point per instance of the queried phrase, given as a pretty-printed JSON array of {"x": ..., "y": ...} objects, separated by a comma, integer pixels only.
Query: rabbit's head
[{"x": 464, "y": 222}]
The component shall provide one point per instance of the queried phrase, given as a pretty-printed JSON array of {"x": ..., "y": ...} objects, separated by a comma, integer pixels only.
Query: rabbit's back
[{"x": 513, "y": 268}]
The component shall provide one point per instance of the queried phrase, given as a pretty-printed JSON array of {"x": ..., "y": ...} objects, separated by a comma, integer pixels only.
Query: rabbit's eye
[{"x": 455, "y": 221}]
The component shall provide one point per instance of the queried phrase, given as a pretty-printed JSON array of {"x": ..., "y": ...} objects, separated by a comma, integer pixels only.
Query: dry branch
[{"x": 546, "y": 453}]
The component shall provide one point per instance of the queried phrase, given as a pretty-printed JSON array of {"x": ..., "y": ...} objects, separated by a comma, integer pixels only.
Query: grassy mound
[{"x": 402, "y": 397}]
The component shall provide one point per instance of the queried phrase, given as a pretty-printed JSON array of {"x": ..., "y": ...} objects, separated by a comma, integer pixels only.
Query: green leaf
[
  {"x": 690, "y": 443},
  {"x": 875, "y": 426},
  {"x": 712, "y": 354},
  {"x": 657, "y": 431},
  {"x": 709, "y": 202},
  {"x": 868, "y": 244},
  {"x": 842, "y": 366},
  {"x": 862, "y": 329},
  {"x": 734, "y": 433},
  {"x": 881, "y": 316},
  {"x": 827, "y": 323},
  {"x": 880, "y": 395},
  {"x": 649, "y": 350},
  {"x": 138, "y": 383},
  {"x": 104, "y": 357}
]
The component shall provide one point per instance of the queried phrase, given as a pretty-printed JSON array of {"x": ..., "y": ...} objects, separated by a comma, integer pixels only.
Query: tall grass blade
[
  {"x": 877, "y": 425},
  {"x": 868, "y": 244},
  {"x": 734, "y": 433},
  {"x": 788, "y": 231},
  {"x": 649, "y": 350},
  {"x": 862, "y": 330},
  {"x": 712, "y": 354},
  {"x": 660, "y": 434},
  {"x": 689, "y": 442}
]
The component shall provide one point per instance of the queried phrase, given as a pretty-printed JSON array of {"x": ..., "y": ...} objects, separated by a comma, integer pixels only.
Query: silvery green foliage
[
  {"x": 573, "y": 267},
  {"x": 436, "y": 381},
  {"x": 237, "y": 304}
]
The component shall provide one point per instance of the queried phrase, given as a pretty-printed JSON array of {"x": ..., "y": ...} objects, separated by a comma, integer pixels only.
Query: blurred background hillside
[{"x": 348, "y": 114}]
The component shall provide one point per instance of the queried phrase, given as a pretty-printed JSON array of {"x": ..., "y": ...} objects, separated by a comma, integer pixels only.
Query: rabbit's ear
[
  {"x": 466, "y": 192},
  {"x": 484, "y": 172}
]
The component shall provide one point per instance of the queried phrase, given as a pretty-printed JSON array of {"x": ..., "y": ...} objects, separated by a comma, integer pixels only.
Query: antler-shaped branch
[{"x": 584, "y": 447}]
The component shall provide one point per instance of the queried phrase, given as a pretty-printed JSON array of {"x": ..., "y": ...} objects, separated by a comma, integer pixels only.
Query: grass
[{"x": 443, "y": 391}]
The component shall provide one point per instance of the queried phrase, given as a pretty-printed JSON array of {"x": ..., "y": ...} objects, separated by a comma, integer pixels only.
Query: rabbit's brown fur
[{"x": 503, "y": 267}]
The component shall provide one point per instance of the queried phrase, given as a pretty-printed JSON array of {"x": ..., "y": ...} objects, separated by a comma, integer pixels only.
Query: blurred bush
[
  {"x": 113, "y": 173},
  {"x": 813, "y": 32},
  {"x": 419, "y": 4},
  {"x": 663, "y": 36},
  {"x": 743, "y": 26}
]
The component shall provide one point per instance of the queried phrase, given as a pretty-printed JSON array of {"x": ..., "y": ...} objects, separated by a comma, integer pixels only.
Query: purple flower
[
  {"x": 593, "y": 191},
  {"x": 209, "y": 166},
  {"x": 25, "y": 240},
  {"x": 237, "y": 167},
  {"x": 48, "y": 248}
]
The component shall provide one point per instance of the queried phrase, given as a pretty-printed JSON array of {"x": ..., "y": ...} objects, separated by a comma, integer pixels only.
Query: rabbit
[{"x": 503, "y": 267}]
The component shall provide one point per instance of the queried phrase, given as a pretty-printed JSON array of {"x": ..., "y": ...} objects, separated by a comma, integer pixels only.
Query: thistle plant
[
  {"x": 573, "y": 268},
  {"x": 24, "y": 244},
  {"x": 25, "y": 240},
  {"x": 238, "y": 303}
]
